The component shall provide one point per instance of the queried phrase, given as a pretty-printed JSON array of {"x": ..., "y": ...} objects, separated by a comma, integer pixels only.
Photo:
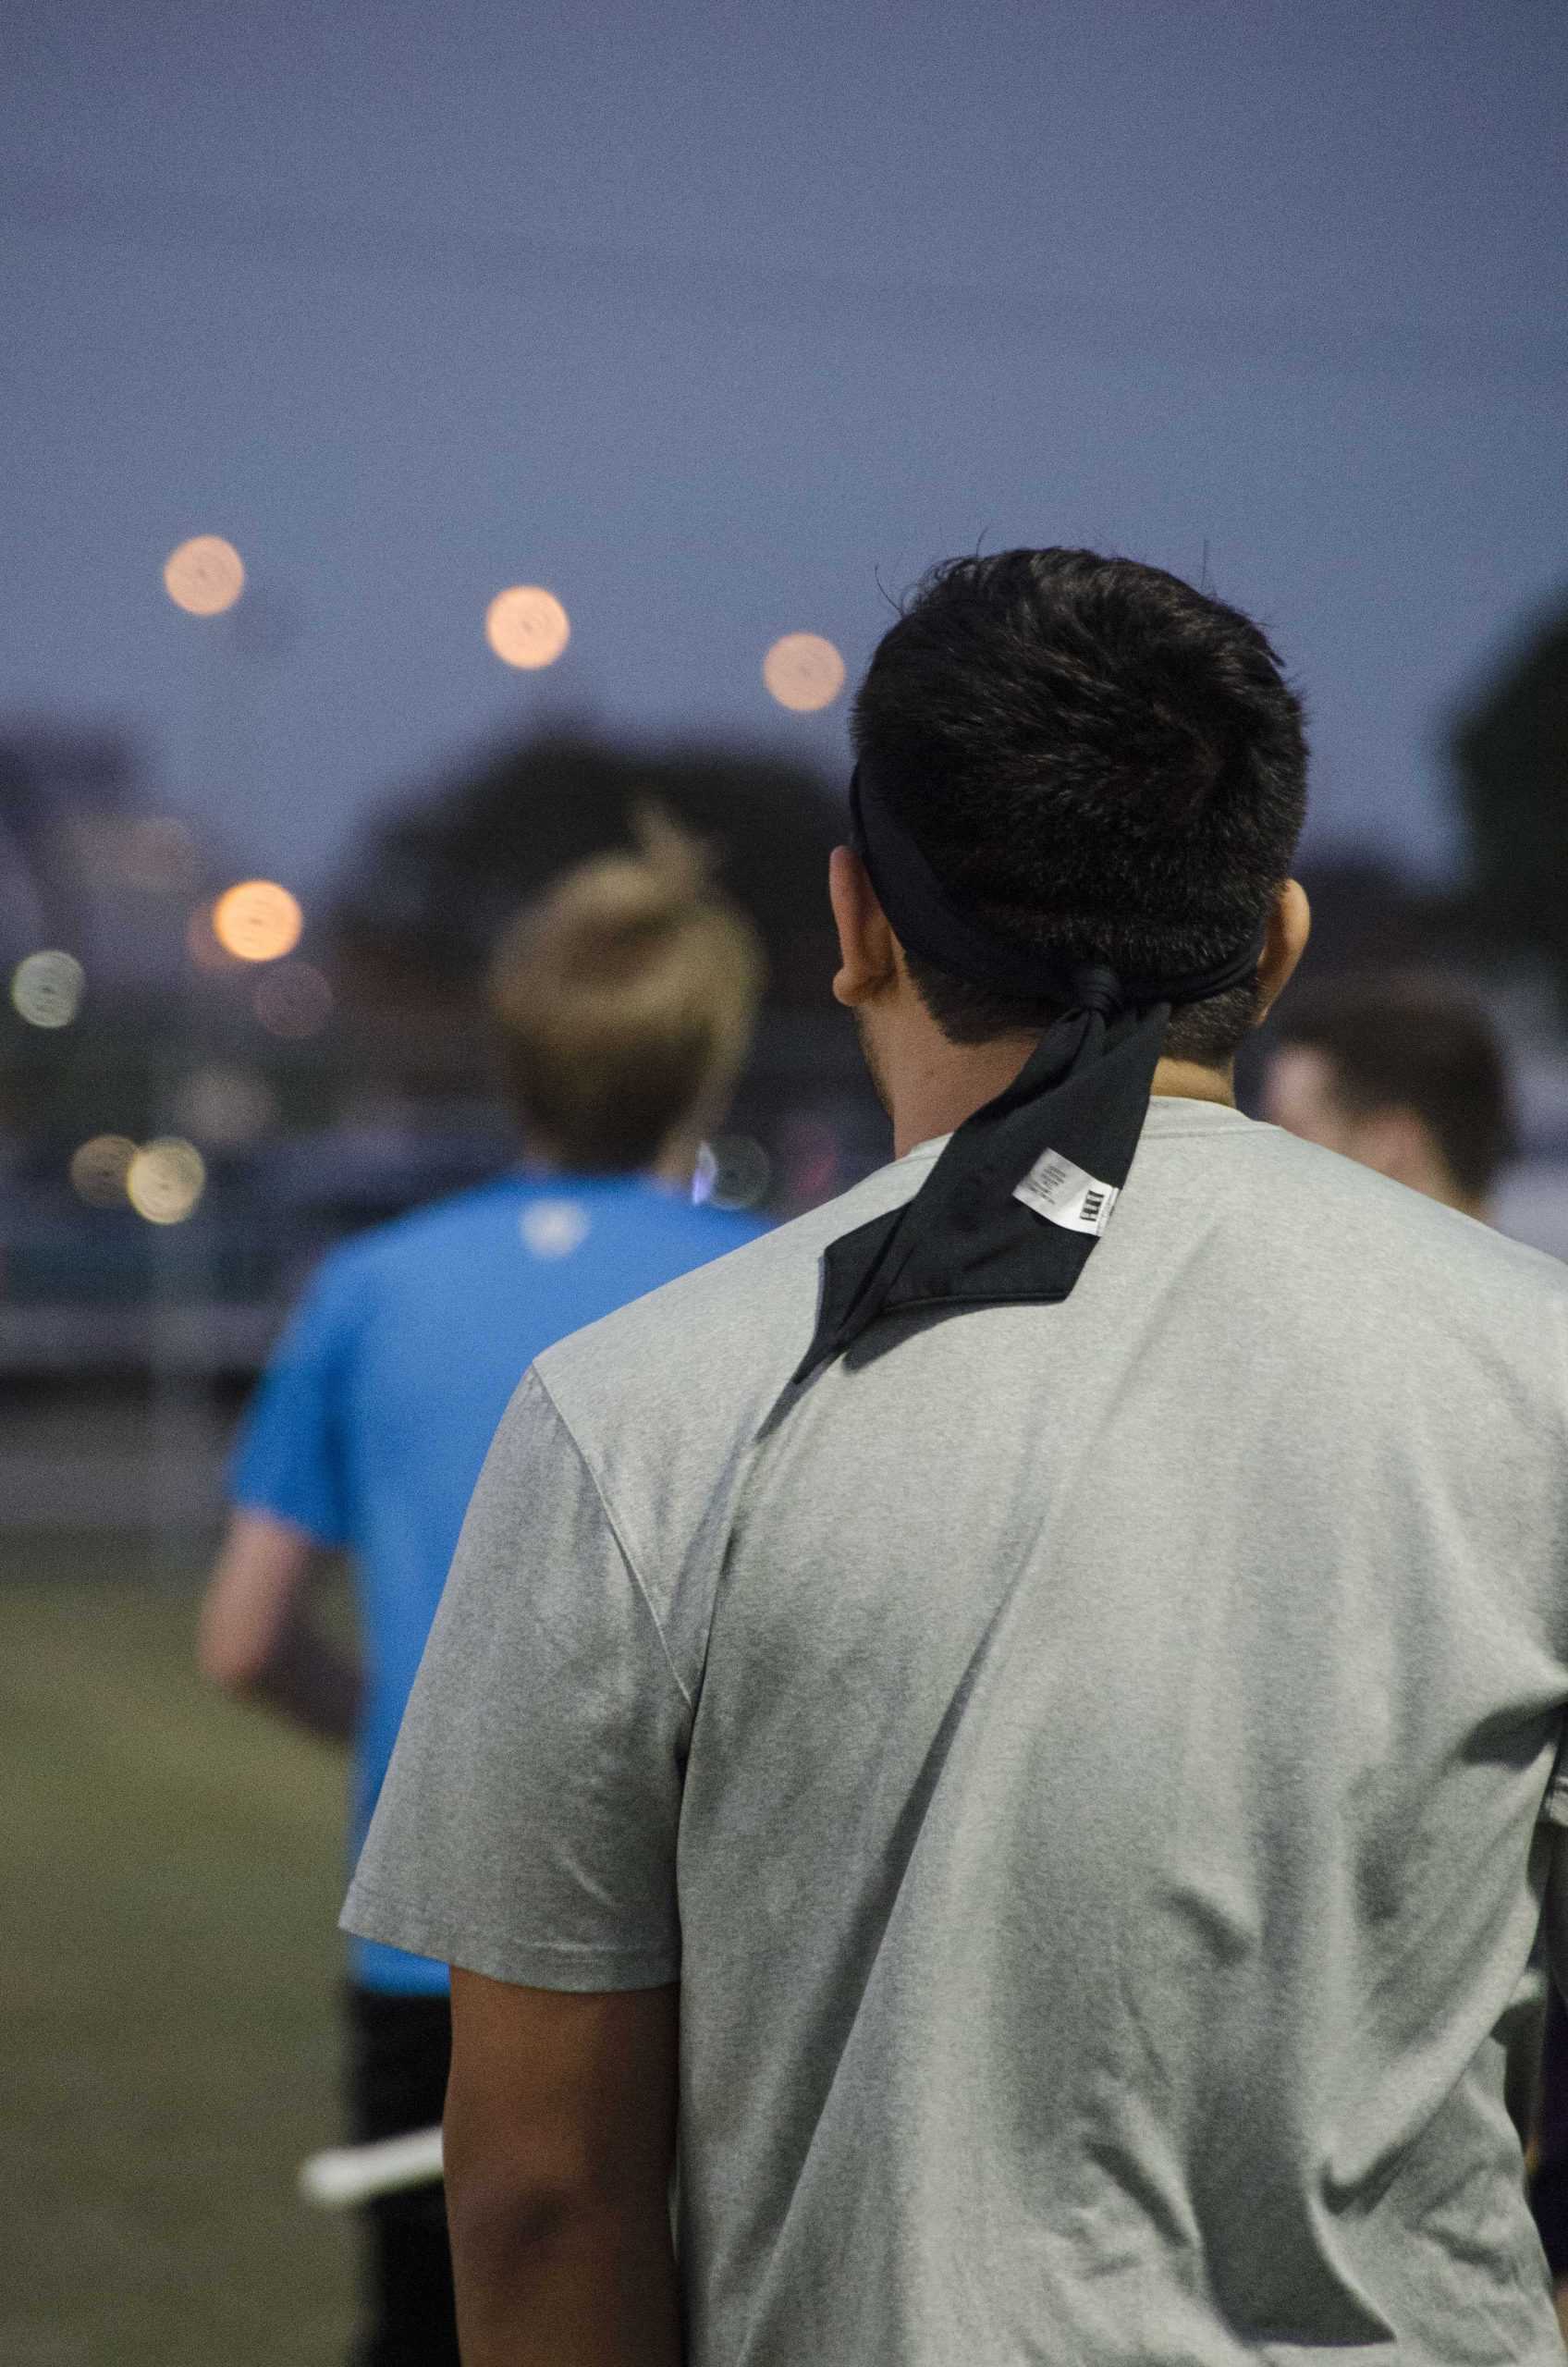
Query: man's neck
[{"x": 954, "y": 1080}]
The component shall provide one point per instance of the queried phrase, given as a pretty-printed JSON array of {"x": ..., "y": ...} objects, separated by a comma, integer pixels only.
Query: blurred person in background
[
  {"x": 1402, "y": 1072},
  {"x": 1408, "y": 1075},
  {"x": 624, "y": 1002}
]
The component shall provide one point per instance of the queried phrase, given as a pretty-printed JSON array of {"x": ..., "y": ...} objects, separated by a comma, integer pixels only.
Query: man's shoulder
[
  {"x": 1342, "y": 1212},
  {"x": 664, "y": 1399},
  {"x": 723, "y": 1339}
]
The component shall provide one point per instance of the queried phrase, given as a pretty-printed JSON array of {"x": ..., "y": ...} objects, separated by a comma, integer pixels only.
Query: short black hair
[
  {"x": 1408, "y": 1041},
  {"x": 1101, "y": 761}
]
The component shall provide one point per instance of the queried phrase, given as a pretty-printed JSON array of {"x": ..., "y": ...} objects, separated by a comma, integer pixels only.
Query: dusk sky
[{"x": 715, "y": 320}]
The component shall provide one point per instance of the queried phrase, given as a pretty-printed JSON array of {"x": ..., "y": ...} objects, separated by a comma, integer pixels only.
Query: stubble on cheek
[{"x": 873, "y": 1066}]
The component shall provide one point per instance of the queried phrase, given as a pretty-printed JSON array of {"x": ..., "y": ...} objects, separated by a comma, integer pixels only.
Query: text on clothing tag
[{"x": 1054, "y": 1189}]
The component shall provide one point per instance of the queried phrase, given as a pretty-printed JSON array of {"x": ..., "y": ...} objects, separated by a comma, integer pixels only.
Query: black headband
[
  {"x": 1024, "y": 1188},
  {"x": 929, "y": 919}
]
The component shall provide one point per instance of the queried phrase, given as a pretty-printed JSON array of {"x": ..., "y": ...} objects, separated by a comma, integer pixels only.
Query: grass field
[{"x": 172, "y": 1869}]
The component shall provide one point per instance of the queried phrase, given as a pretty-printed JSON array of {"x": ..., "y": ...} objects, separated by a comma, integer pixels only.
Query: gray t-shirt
[{"x": 1085, "y": 1764}]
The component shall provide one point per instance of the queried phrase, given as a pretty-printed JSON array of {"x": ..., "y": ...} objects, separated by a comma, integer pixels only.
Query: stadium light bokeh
[
  {"x": 257, "y": 921},
  {"x": 804, "y": 672},
  {"x": 527, "y": 626},
  {"x": 165, "y": 1180},
  {"x": 205, "y": 576},
  {"x": 47, "y": 987}
]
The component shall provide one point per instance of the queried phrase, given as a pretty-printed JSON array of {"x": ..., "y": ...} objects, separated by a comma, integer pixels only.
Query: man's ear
[
  {"x": 1289, "y": 925},
  {"x": 866, "y": 942}
]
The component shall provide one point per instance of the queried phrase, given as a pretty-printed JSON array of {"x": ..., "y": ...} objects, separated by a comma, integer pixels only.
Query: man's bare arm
[
  {"x": 559, "y": 2145},
  {"x": 1552, "y": 2099},
  {"x": 257, "y": 1638}
]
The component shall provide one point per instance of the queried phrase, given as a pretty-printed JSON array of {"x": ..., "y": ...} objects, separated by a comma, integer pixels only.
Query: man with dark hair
[
  {"x": 1011, "y": 1723},
  {"x": 1402, "y": 1072}
]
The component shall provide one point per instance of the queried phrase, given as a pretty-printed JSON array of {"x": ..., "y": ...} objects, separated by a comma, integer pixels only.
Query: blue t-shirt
[{"x": 378, "y": 1406}]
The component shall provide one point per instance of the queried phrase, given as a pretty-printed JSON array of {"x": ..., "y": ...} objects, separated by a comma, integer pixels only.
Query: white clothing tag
[{"x": 1054, "y": 1189}]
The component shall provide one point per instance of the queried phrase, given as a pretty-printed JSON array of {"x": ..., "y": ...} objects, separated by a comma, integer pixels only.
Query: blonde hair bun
[
  {"x": 625, "y": 995},
  {"x": 602, "y": 918}
]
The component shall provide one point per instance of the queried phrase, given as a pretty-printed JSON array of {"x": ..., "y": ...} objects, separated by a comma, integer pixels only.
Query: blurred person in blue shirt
[{"x": 624, "y": 1003}]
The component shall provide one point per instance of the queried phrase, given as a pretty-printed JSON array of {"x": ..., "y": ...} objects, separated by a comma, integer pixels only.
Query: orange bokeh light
[
  {"x": 257, "y": 921},
  {"x": 527, "y": 626},
  {"x": 205, "y": 576},
  {"x": 804, "y": 672}
]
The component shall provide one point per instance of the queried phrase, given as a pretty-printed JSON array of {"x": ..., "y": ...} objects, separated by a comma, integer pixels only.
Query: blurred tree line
[
  {"x": 429, "y": 884},
  {"x": 1507, "y": 910},
  {"x": 1509, "y": 753}
]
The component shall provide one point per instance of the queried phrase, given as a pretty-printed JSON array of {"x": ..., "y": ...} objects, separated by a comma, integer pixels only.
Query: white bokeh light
[
  {"x": 47, "y": 987},
  {"x": 732, "y": 1171},
  {"x": 165, "y": 1179}
]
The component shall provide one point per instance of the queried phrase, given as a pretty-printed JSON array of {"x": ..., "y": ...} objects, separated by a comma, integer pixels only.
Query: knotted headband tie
[{"x": 1023, "y": 1190}]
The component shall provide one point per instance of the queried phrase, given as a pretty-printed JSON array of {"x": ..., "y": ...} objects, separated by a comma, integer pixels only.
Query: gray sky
[{"x": 709, "y": 318}]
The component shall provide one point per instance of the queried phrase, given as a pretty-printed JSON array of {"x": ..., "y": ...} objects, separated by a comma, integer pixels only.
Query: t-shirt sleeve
[
  {"x": 1554, "y": 1816},
  {"x": 290, "y": 1459},
  {"x": 527, "y": 1825}
]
